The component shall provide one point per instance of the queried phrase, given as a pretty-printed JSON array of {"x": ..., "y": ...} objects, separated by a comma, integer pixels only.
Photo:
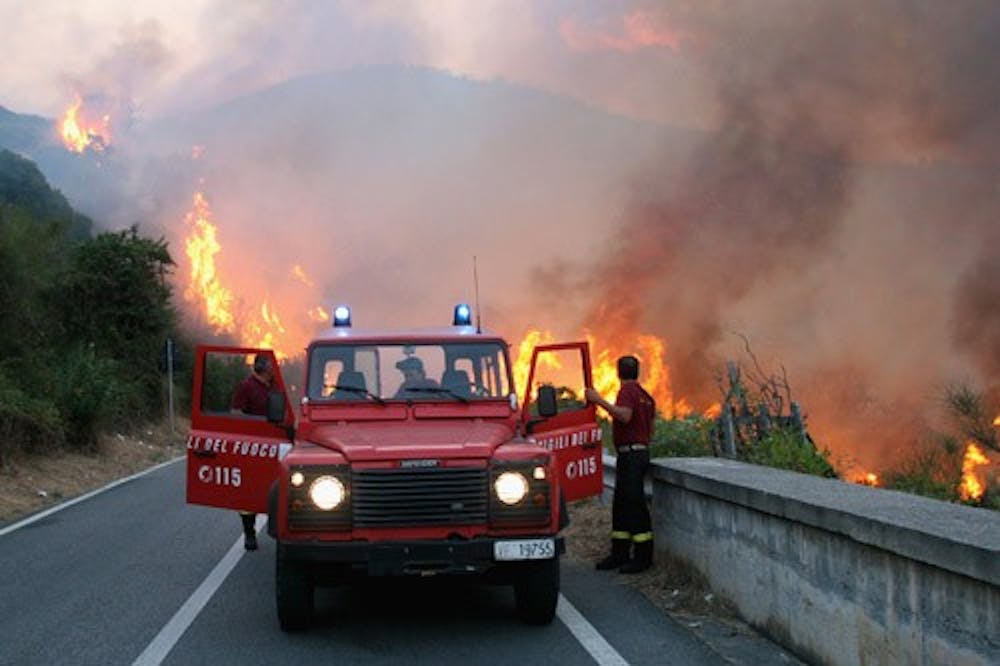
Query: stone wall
[{"x": 836, "y": 572}]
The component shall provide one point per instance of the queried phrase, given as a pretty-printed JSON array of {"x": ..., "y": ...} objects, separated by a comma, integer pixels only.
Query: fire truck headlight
[
  {"x": 327, "y": 492},
  {"x": 511, "y": 487}
]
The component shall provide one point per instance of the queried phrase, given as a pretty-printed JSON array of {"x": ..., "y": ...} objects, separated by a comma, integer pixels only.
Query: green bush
[
  {"x": 26, "y": 424},
  {"x": 222, "y": 375},
  {"x": 687, "y": 437},
  {"x": 88, "y": 395},
  {"x": 673, "y": 438},
  {"x": 932, "y": 470},
  {"x": 786, "y": 449}
]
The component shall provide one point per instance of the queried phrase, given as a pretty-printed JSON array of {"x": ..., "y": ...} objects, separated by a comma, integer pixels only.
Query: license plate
[{"x": 529, "y": 549}]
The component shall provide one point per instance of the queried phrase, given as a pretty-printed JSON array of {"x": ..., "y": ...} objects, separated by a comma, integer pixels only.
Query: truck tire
[
  {"x": 536, "y": 591},
  {"x": 293, "y": 593}
]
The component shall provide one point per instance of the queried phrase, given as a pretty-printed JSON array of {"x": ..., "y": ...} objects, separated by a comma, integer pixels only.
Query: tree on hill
[
  {"x": 82, "y": 319},
  {"x": 23, "y": 187}
]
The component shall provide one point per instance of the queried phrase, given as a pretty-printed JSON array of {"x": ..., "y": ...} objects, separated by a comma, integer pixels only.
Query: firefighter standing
[
  {"x": 632, "y": 426},
  {"x": 251, "y": 398}
]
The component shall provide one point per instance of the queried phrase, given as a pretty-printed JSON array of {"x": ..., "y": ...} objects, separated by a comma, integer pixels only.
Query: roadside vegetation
[
  {"x": 950, "y": 465},
  {"x": 84, "y": 320}
]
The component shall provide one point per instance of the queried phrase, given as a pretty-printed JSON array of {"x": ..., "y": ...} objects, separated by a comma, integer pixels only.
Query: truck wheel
[
  {"x": 536, "y": 591},
  {"x": 294, "y": 594}
]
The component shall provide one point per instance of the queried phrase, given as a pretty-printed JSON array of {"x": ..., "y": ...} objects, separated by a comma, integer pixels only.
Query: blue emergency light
[
  {"x": 341, "y": 316},
  {"x": 463, "y": 315}
]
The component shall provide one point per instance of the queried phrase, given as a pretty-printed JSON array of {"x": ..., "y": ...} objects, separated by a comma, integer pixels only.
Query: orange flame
[
  {"x": 319, "y": 314},
  {"x": 996, "y": 421},
  {"x": 264, "y": 327},
  {"x": 867, "y": 479},
  {"x": 522, "y": 364},
  {"x": 263, "y": 332},
  {"x": 78, "y": 134},
  {"x": 972, "y": 487},
  {"x": 299, "y": 274},
  {"x": 650, "y": 350},
  {"x": 205, "y": 286}
]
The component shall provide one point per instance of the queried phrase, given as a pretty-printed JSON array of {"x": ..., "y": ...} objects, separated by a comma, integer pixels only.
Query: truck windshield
[{"x": 456, "y": 371}]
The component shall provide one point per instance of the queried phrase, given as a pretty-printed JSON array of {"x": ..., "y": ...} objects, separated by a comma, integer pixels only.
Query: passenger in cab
[{"x": 414, "y": 379}]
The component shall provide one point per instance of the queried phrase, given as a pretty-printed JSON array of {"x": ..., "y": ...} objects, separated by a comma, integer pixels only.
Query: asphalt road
[{"x": 135, "y": 571}]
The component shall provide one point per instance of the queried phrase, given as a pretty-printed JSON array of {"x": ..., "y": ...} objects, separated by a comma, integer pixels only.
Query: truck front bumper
[{"x": 400, "y": 558}]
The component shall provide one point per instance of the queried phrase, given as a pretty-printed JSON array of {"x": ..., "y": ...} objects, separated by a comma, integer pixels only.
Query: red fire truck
[{"x": 410, "y": 455}]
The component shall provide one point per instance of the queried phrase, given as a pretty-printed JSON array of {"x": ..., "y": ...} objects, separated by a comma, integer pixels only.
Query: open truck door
[
  {"x": 232, "y": 457},
  {"x": 572, "y": 433}
]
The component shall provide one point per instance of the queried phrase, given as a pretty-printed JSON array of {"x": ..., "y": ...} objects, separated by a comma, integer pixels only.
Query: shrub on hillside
[
  {"x": 88, "y": 395},
  {"x": 26, "y": 424}
]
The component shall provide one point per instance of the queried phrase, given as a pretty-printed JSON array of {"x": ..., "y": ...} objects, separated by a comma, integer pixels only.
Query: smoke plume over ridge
[{"x": 844, "y": 214}]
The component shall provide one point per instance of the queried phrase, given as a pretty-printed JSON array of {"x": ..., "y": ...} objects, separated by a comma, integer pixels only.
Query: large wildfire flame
[
  {"x": 217, "y": 305},
  {"x": 651, "y": 352},
  {"x": 79, "y": 133},
  {"x": 205, "y": 286}
]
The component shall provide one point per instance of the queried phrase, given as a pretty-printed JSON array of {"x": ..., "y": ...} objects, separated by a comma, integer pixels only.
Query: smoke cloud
[{"x": 851, "y": 177}]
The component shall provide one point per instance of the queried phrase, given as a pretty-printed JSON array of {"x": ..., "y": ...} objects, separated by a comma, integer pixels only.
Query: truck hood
[{"x": 438, "y": 440}]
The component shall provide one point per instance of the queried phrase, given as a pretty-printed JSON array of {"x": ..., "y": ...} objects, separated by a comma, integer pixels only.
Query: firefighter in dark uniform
[
  {"x": 632, "y": 426},
  {"x": 251, "y": 398}
]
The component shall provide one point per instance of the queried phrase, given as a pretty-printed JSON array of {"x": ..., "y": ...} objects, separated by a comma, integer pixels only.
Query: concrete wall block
[{"x": 820, "y": 592}]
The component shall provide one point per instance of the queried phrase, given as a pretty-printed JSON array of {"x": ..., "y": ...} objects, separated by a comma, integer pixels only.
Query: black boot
[
  {"x": 249, "y": 531},
  {"x": 643, "y": 558},
  {"x": 618, "y": 556}
]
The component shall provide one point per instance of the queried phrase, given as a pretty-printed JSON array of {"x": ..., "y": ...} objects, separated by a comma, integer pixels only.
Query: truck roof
[{"x": 438, "y": 334}]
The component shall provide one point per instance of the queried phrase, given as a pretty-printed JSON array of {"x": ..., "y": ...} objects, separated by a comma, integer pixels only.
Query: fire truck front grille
[{"x": 410, "y": 497}]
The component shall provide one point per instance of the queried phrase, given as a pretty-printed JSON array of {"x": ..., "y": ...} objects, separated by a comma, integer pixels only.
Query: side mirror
[
  {"x": 276, "y": 407},
  {"x": 547, "y": 405}
]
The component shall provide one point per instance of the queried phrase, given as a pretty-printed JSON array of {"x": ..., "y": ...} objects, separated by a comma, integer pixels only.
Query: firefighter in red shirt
[
  {"x": 251, "y": 398},
  {"x": 632, "y": 426}
]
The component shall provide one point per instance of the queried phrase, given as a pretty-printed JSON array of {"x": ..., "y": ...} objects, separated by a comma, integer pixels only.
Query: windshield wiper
[
  {"x": 440, "y": 390},
  {"x": 358, "y": 389}
]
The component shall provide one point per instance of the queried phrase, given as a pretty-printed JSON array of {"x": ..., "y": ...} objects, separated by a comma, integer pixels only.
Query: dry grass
[{"x": 32, "y": 483}]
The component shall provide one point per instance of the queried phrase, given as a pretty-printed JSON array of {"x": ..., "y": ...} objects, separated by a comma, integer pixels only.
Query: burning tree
[
  {"x": 959, "y": 465},
  {"x": 754, "y": 425},
  {"x": 977, "y": 428}
]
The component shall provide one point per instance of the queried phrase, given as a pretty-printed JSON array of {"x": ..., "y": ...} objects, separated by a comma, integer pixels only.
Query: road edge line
[
  {"x": 174, "y": 629},
  {"x": 587, "y": 636},
  {"x": 45, "y": 513}
]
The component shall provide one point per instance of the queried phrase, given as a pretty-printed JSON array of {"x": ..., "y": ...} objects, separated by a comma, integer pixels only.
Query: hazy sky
[{"x": 169, "y": 56}]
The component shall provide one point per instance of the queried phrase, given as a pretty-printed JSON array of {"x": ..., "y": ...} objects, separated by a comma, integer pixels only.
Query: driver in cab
[{"x": 414, "y": 379}]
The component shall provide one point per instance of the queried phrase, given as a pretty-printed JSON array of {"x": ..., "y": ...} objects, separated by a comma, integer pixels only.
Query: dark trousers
[{"x": 629, "y": 513}]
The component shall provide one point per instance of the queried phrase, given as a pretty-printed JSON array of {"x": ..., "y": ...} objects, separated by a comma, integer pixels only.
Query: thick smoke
[{"x": 851, "y": 176}]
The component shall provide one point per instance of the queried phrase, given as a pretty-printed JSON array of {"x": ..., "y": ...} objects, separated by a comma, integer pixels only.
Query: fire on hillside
[
  {"x": 211, "y": 293},
  {"x": 82, "y": 130},
  {"x": 286, "y": 324}
]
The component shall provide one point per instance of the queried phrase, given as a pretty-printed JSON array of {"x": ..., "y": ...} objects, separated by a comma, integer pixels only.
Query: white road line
[
  {"x": 592, "y": 642},
  {"x": 160, "y": 647},
  {"x": 76, "y": 500}
]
